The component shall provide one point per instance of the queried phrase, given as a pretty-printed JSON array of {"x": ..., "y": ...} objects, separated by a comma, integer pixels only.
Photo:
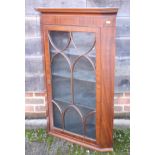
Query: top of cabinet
[{"x": 79, "y": 10}]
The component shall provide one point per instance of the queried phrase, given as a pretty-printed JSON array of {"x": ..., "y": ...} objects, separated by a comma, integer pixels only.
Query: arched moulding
[
  {"x": 92, "y": 53},
  {"x": 83, "y": 68},
  {"x": 55, "y": 47},
  {"x": 58, "y": 107},
  {"x": 83, "y": 51},
  {"x": 63, "y": 55},
  {"x": 93, "y": 65},
  {"x": 85, "y": 120},
  {"x": 76, "y": 109},
  {"x": 85, "y": 56},
  {"x": 78, "y": 112},
  {"x": 61, "y": 112}
]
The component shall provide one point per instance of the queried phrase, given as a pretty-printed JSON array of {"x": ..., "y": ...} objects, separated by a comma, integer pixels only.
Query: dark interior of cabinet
[{"x": 73, "y": 78}]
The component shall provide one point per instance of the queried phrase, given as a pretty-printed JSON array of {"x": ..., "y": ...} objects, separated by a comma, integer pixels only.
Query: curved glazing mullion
[
  {"x": 51, "y": 42},
  {"x": 84, "y": 54},
  {"x": 61, "y": 112},
  {"x": 91, "y": 62},
  {"x": 77, "y": 110},
  {"x": 58, "y": 51},
  {"x": 72, "y": 70},
  {"x": 65, "y": 56},
  {"x": 85, "y": 120}
]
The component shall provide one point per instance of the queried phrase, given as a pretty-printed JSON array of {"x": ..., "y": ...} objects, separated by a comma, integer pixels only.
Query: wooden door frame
[{"x": 75, "y": 138}]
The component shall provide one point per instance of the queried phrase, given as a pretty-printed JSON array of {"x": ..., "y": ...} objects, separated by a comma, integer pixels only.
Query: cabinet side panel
[
  {"x": 98, "y": 85},
  {"x": 107, "y": 84},
  {"x": 47, "y": 65}
]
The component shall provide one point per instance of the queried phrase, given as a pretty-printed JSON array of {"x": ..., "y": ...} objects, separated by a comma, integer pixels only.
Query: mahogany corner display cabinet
[{"x": 79, "y": 58}]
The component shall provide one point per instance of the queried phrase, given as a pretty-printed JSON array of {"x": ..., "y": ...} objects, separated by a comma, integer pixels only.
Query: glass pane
[
  {"x": 85, "y": 94},
  {"x": 84, "y": 70},
  {"x": 73, "y": 61},
  {"x": 59, "y": 39},
  {"x": 61, "y": 88},
  {"x": 90, "y": 126},
  {"x": 83, "y": 41},
  {"x": 60, "y": 66},
  {"x": 73, "y": 121},
  {"x": 57, "y": 117}
]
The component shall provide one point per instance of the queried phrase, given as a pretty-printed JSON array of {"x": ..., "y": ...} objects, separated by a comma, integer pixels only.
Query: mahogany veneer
[{"x": 101, "y": 24}]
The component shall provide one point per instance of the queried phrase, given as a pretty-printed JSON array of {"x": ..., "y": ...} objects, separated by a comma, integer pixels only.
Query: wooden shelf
[{"x": 86, "y": 76}]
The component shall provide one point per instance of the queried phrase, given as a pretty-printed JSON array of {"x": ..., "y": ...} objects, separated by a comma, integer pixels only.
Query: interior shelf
[
  {"x": 84, "y": 92},
  {"x": 78, "y": 75}
]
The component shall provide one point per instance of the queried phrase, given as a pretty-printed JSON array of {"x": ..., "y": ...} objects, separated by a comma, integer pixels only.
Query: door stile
[
  {"x": 48, "y": 79},
  {"x": 98, "y": 86}
]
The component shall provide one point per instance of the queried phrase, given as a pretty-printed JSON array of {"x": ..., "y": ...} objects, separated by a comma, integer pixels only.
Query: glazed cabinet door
[{"x": 72, "y": 56}]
